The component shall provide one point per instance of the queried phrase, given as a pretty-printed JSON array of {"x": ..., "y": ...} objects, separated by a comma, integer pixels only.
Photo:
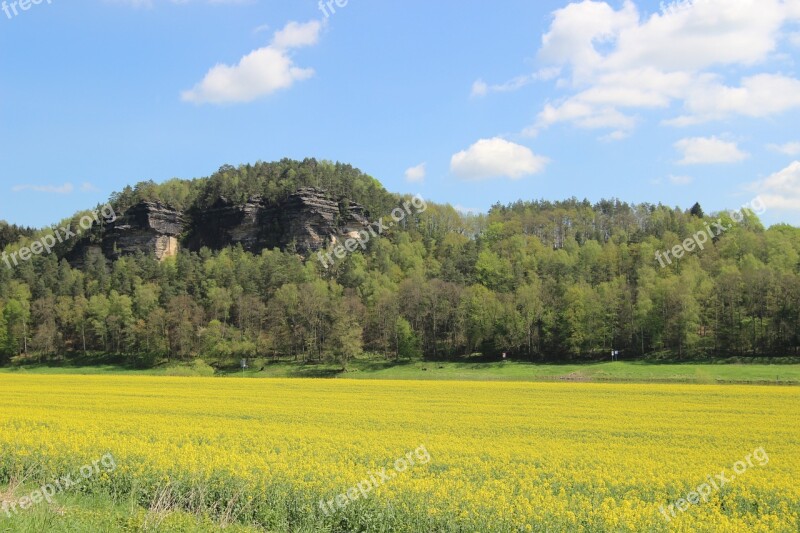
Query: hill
[{"x": 315, "y": 261}]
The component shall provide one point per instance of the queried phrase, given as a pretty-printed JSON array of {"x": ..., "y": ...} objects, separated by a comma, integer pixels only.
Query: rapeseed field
[{"x": 283, "y": 455}]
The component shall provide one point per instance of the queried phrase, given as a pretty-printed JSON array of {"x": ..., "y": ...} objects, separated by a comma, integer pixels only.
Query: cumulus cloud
[
  {"x": 708, "y": 150},
  {"x": 296, "y": 35},
  {"x": 622, "y": 62},
  {"x": 583, "y": 115},
  {"x": 758, "y": 96},
  {"x": 259, "y": 73},
  {"x": 790, "y": 148},
  {"x": 578, "y": 28},
  {"x": 780, "y": 191},
  {"x": 496, "y": 158},
  {"x": 416, "y": 174}
]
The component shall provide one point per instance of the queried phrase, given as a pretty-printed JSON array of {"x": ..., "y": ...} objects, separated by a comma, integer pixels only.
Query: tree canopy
[{"x": 538, "y": 280}]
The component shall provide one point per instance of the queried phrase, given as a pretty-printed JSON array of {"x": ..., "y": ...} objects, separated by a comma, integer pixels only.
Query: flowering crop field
[{"x": 277, "y": 455}]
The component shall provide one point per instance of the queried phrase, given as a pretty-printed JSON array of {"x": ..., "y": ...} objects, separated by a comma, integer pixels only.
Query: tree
[
  {"x": 183, "y": 319},
  {"x": 406, "y": 341},
  {"x": 529, "y": 304},
  {"x": 120, "y": 322},
  {"x": 584, "y": 318},
  {"x": 383, "y": 305},
  {"x": 284, "y": 320},
  {"x": 494, "y": 272},
  {"x": 5, "y": 350},
  {"x": 479, "y": 310},
  {"x": 45, "y": 339},
  {"x": 98, "y": 319},
  {"x": 346, "y": 333},
  {"x": 17, "y": 317}
]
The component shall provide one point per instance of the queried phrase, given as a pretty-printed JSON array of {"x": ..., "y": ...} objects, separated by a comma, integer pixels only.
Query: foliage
[
  {"x": 537, "y": 280},
  {"x": 271, "y": 181}
]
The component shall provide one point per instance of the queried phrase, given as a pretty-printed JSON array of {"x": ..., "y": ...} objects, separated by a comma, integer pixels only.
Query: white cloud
[
  {"x": 599, "y": 105},
  {"x": 793, "y": 6},
  {"x": 296, "y": 35},
  {"x": 644, "y": 87},
  {"x": 680, "y": 180},
  {"x": 790, "y": 148},
  {"x": 481, "y": 88},
  {"x": 88, "y": 187},
  {"x": 780, "y": 191},
  {"x": 578, "y": 27},
  {"x": 261, "y": 72},
  {"x": 695, "y": 35},
  {"x": 618, "y": 135},
  {"x": 416, "y": 174},
  {"x": 583, "y": 115},
  {"x": 67, "y": 188},
  {"x": 686, "y": 35},
  {"x": 495, "y": 158},
  {"x": 759, "y": 96},
  {"x": 708, "y": 150},
  {"x": 621, "y": 61}
]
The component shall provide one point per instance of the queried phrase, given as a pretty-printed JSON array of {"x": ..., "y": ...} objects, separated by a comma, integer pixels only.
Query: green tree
[{"x": 407, "y": 342}]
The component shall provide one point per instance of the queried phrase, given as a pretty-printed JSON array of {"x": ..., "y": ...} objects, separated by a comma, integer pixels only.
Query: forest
[{"x": 537, "y": 280}]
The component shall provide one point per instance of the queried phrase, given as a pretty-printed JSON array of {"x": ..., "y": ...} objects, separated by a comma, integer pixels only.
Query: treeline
[
  {"x": 271, "y": 181},
  {"x": 538, "y": 280},
  {"x": 11, "y": 233}
]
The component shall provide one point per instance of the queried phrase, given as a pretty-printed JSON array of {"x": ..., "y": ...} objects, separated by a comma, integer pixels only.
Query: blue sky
[{"x": 467, "y": 102}]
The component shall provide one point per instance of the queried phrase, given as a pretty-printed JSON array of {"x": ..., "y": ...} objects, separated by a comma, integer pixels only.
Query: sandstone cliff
[
  {"x": 306, "y": 221},
  {"x": 150, "y": 227}
]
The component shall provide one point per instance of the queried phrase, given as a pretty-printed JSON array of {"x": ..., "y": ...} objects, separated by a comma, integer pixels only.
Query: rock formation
[
  {"x": 309, "y": 219},
  {"x": 149, "y": 227},
  {"x": 226, "y": 223},
  {"x": 306, "y": 221}
]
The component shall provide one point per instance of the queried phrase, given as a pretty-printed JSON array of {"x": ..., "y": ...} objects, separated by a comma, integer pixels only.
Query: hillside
[{"x": 244, "y": 264}]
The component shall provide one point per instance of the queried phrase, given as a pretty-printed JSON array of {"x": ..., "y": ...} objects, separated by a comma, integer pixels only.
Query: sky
[{"x": 462, "y": 101}]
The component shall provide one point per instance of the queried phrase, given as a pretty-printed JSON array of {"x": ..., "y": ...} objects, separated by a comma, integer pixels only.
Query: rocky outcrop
[
  {"x": 149, "y": 227},
  {"x": 226, "y": 223},
  {"x": 304, "y": 222},
  {"x": 85, "y": 252},
  {"x": 309, "y": 220}
]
